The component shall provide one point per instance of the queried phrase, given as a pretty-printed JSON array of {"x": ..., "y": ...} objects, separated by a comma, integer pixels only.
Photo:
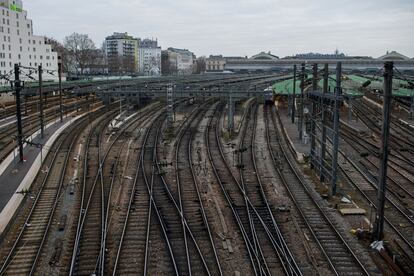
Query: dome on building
[
  {"x": 264, "y": 56},
  {"x": 393, "y": 56}
]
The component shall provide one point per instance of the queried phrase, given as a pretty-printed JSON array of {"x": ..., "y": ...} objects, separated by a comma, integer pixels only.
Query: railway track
[
  {"x": 164, "y": 250},
  {"x": 252, "y": 185},
  {"x": 341, "y": 257},
  {"x": 111, "y": 193},
  {"x": 245, "y": 213},
  {"x": 130, "y": 250},
  {"x": 371, "y": 145},
  {"x": 30, "y": 125},
  {"x": 400, "y": 139},
  {"x": 90, "y": 225},
  {"x": 89, "y": 254},
  {"x": 29, "y": 105},
  {"x": 400, "y": 184},
  {"x": 397, "y": 217},
  {"x": 191, "y": 204},
  {"x": 158, "y": 254},
  {"x": 28, "y": 245}
]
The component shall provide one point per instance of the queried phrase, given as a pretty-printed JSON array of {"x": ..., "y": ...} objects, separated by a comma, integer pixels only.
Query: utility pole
[
  {"x": 18, "y": 89},
  {"x": 324, "y": 115},
  {"x": 60, "y": 88},
  {"x": 338, "y": 92},
  {"x": 170, "y": 107},
  {"x": 315, "y": 77},
  {"x": 294, "y": 94},
  {"x": 230, "y": 118},
  {"x": 349, "y": 108},
  {"x": 313, "y": 115},
  {"x": 42, "y": 129},
  {"x": 302, "y": 88},
  {"x": 385, "y": 133}
]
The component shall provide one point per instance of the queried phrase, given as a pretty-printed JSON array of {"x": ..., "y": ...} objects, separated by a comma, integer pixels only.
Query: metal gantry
[
  {"x": 385, "y": 134},
  {"x": 230, "y": 113},
  {"x": 325, "y": 106},
  {"x": 170, "y": 107},
  {"x": 294, "y": 95},
  {"x": 18, "y": 89}
]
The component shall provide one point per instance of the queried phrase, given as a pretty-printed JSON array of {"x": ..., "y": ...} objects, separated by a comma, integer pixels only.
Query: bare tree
[
  {"x": 128, "y": 64},
  {"x": 81, "y": 51},
  {"x": 61, "y": 51},
  {"x": 168, "y": 64},
  {"x": 200, "y": 65},
  {"x": 165, "y": 63}
]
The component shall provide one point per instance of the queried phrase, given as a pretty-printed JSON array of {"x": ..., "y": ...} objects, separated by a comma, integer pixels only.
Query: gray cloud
[{"x": 242, "y": 27}]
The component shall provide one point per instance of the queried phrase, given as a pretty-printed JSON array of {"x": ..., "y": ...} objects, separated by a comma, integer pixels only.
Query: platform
[
  {"x": 302, "y": 147},
  {"x": 16, "y": 177}
]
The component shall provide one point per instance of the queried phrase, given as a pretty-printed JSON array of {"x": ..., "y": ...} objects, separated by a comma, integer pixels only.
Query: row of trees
[
  {"x": 80, "y": 56},
  {"x": 78, "y": 52}
]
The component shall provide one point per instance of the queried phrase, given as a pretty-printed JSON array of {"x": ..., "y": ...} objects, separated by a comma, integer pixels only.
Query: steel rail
[
  {"x": 54, "y": 205},
  {"x": 298, "y": 176},
  {"x": 293, "y": 268}
]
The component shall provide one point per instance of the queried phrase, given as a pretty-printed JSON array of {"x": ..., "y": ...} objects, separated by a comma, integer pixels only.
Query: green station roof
[
  {"x": 351, "y": 86},
  {"x": 399, "y": 87},
  {"x": 286, "y": 87}
]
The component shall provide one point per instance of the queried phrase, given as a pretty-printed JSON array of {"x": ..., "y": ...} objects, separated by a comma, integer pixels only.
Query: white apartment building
[
  {"x": 121, "y": 50},
  {"x": 149, "y": 58},
  {"x": 19, "y": 45},
  {"x": 182, "y": 60}
]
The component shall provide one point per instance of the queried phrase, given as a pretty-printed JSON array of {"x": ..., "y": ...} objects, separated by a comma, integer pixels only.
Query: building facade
[
  {"x": 122, "y": 53},
  {"x": 149, "y": 57},
  {"x": 18, "y": 44},
  {"x": 181, "y": 61},
  {"x": 215, "y": 64}
]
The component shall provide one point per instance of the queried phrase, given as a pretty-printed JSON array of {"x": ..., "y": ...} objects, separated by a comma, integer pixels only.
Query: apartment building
[
  {"x": 122, "y": 53},
  {"x": 149, "y": 57},
  {"x": 181, "y": 61},
  {"x": 19, "y": 45}
]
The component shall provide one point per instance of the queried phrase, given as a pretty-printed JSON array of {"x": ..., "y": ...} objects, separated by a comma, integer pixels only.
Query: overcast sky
[{"x": 238, "y": 27}]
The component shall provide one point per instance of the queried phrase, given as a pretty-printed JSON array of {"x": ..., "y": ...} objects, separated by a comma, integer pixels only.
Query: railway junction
[{"x": 305, "y": 172}]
